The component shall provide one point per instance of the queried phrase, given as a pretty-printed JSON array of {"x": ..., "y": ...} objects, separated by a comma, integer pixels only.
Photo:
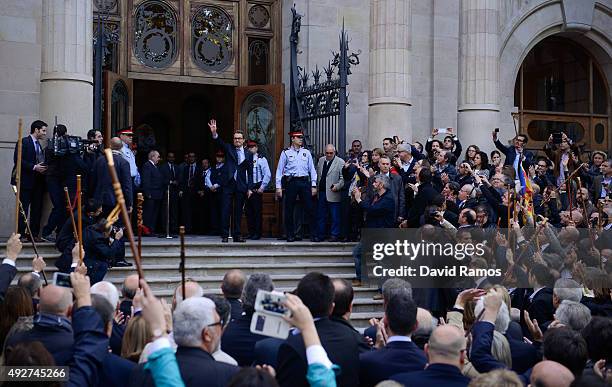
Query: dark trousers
[
  {"x": 231, "y": 197},
  {"x": 345, "y": 208},
  {"x": 204, "y": 209},
  {"x": 58, "y": 214},
  {"x": 215, "y": 212},
  {"x": 298, "y": 187},
  {"x": 32, "y": 200},
  {"x": 254, "y": 207},
  {"x": 150, "y": 213},
  {"x": 96, "y": 270},
  {"x": 188, "y": 204},
  {"x": 323, "y": 209}
]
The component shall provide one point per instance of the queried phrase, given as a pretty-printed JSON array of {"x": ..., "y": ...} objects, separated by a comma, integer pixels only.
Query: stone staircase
[{"x": 207, "y": 260}]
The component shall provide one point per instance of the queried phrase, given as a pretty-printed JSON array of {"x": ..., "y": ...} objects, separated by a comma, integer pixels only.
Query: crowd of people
[
  {"x": 554, "y": 334},
  {"x": 545, "y": 215}
]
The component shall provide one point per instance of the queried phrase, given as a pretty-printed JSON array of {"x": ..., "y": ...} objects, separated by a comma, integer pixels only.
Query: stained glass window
[
  {"x": 155, "y": 34},
  {"x": 212, "y": 39}
]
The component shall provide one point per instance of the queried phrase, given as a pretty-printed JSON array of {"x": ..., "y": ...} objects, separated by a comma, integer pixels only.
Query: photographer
[
  {"x": 103, "y": 247},
  {"x": 93, "y": 150},
  {"x": 64, "y": 162}
]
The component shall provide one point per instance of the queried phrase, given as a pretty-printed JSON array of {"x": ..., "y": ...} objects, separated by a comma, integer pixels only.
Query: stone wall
[{"x": 20, "y": 67}]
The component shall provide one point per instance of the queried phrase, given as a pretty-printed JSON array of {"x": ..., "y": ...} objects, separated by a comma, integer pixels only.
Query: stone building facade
[{"x": 466, "y": 64}]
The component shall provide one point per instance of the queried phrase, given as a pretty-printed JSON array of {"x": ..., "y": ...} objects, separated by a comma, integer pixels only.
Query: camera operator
[
  {"x": 93, "y": 150},
  {"x": 103, "y": 247},
  {"x": 64, "y": 162}
]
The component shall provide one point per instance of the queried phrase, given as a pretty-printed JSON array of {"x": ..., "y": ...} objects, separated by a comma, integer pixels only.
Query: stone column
[
  {"x": 389, "y": 78},
  {"x": 478, "y": 110},
  {"x": 66, "y": 89}
]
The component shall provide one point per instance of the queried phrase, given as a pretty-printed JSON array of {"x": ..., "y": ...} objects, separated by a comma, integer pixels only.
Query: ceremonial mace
[
  {"x": 29, "y": 232},
  {"x": 18, "y": 176},
  {"x": 168, "y": 236},
  {"x": 182, "y": 264},
  {"x": 71, "y": 213},
  {"x": 139, "y": 201},
  {"x": 80, "y": 219},
  {"x": 124, "y": 212}
]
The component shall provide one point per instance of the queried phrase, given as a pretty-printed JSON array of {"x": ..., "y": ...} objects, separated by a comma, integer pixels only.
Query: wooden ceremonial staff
[
  {"x": 80, "y": 219},
  {"x": 182, "y": 264},
  {"x": 71, "y": 213},
  {"x": 124, "y": 212},
  {"x": 18, "y": 175},
  {"x": 586, "y": 215},
  {"x": 139, "y": 201},
  {"x": 27, "y": 227}
]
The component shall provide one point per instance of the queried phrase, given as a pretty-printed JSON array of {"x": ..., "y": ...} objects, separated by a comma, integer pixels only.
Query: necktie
[
  {"x": 172, "y": 171},
  {"x": 38, "y": 152}
]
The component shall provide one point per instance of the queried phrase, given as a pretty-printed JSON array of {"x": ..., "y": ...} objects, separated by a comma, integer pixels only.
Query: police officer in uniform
[
  {"x": 261, "y": 179},
  {"x": 298, "y": 175}
]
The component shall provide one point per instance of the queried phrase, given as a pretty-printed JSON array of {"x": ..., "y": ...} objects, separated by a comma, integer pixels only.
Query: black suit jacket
[
  {"x": 28, "y": 160},
  {"x": 235, "y": 308},
  {"x": 196, "y": 183},
  {"x": 510, "y": 153},
  {"x": 239, "y": 342},
  {"x": 394, "y": 358},
  {"x": 381, "y": 213},
  {"x": 434, "y": 375},
  {"x": 423, "y": 198},
  {"x": 115, "y": 371},
  {"x": 152, "y": 181},
  {"x": 198, "y": 368},
  {"x": 7, "y": 273},
  {"x": 244, "y": 171},
  {"x": 167, "y": 176},
  {"x": 103, "y": 184},
  {"x": 342, "y": 348}
]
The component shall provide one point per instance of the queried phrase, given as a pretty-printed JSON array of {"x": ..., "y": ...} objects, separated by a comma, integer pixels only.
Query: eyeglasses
[
  {"x": 329, "y": 153},
  {"x": 300, "y": 137},
  {"x": 542, "y": 165},
  {"x": 238, "y": 138},
  {"x": 220, "y": 323}
]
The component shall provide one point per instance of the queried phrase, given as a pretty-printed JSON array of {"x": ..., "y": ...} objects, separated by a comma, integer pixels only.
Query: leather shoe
[
  {"x": 256, "y": 237},
  {"x": 224, "y": 240},
  {"x": 315, "y": 239},
  {"x": 239, "y": 240},
  {"x": 355, "y": 282},
  {"x": 122, "y": 264},
  {"x": 377, "y": 296},
  {"x": 290, "y": 239},
  {"x": 334, "y": 239},
  {"x": 298, "y": 239}
]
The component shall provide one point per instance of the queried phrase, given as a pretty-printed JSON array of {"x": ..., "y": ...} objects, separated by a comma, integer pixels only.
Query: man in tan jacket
[{"x": 329, "y": 183}]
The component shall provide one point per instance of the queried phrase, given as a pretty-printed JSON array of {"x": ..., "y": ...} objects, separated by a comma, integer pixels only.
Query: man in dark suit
[
  {"x": 602, "y": 184},
  {"x": 103, "y": 184},
  {"x": 399, "y": 354},
  {"x": 238, "y": 341},
  {"x": 511, "y": 152},
  {"x": 445, "y": 358},
  {"x": 195, "y": 349},
  {"x": 32, "y": 181},
  {"x": 190, "y": 184},
  {"x": 239, "y": 163},
  {"x": 7, "y": 269},
  {"x": 380, "y": 209},
  {"x": 217, "y": 179},
  {"x": 171, "y": 177},
  {"x": 153, "y": 191},
  {"x": 424, "y": 197},
  {"x": 396, "y": 188},
  {"x": 339, "y": 341}
]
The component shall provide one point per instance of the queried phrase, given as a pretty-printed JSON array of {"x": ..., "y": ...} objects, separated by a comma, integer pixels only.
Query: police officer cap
[
  {"x": 220, "y": 153},
  {"x": 251, "y": 143},
  {"x": 296, "y": 133}
]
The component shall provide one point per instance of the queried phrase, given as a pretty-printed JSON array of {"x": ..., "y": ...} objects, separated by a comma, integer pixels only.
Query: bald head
[
  {"x": 233, "y": 283},
  {"x": 192, "y": 289},
  {"x": 426, "y": 322},
  {"x": 446, "y": 346},
  {"x": 130, "y": 285},
  {"x": 116, "y": 143},
  {"x": 549, "y": 373},
  {"x": 330, "y": 151},
  {"x": 55, "y": 300}
]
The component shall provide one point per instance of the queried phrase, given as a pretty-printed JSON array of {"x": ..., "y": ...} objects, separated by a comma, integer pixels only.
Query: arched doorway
[{"x": 560, "y": 87}]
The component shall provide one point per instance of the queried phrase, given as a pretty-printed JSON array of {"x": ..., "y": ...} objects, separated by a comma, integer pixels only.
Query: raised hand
[
  {"x": 212, "y": 124},
  {"x": 13, "y": 247}
]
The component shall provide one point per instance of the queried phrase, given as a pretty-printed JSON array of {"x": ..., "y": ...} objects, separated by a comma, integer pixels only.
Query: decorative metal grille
[
  {"x": 212, "y": 39},
  {"x": 155, "y": 34},
  {"x": 259, "y": 16},
  {"x": 257, "y": 116},
  {"x": 319, "y": 108},
  {"x": 258, "y": 62},
  {"x": 119, "y": 107}
]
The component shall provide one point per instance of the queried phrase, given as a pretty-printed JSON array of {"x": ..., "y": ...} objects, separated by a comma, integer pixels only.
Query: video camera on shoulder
[
  {"x": 63, "y": 144},
  {"x": 268, "y": 317}
]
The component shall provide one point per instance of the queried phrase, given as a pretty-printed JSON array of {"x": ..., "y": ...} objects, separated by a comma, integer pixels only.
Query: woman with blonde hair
[{"x": 137, "y": 335}]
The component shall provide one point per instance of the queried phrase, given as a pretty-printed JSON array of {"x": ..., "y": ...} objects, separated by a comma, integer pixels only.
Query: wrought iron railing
[{"x": 318, "y": 106}]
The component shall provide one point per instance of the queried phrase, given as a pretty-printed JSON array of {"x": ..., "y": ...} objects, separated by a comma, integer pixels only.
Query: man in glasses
[
  {"x": 512, "y": 152},
  {"x": 296, "y": 174},
  {"x": 238, "y": 184}
]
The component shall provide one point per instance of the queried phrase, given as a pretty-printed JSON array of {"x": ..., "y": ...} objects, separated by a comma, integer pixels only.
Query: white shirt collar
[
  {"x": 535, "y": 291},
  {"x": 398, "y": 338}
]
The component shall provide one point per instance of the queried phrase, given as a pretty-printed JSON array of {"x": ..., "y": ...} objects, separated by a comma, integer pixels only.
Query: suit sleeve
[
  {"x": 290, "y": 366},
  {"x": 458, "y": 148},
  {"x": 249, "y": 170},
  {"x": 90, "y": 347},
  {"x": 402, "y": 198},
  {"x": 7, "y": 273},
  {"x": 416, "y": 154},
  {"x": 25, "y": 164},
  {"x": 340, "y": 183},
  {"x": 502, "y": 148},
  {"x": 126, "y": 183},
  {"x": 481, "y": 357},
  {"x": 146, "y": 180}
]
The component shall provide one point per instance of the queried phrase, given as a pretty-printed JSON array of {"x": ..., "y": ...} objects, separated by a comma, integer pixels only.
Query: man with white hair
[
  {"x": 329, "y": 183},
  {"x": 566, "y": 289},
  {"x": 197, "y": 332},
  {"x": 572, "y": 314},
  {"x": 108, "y": 291}
]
